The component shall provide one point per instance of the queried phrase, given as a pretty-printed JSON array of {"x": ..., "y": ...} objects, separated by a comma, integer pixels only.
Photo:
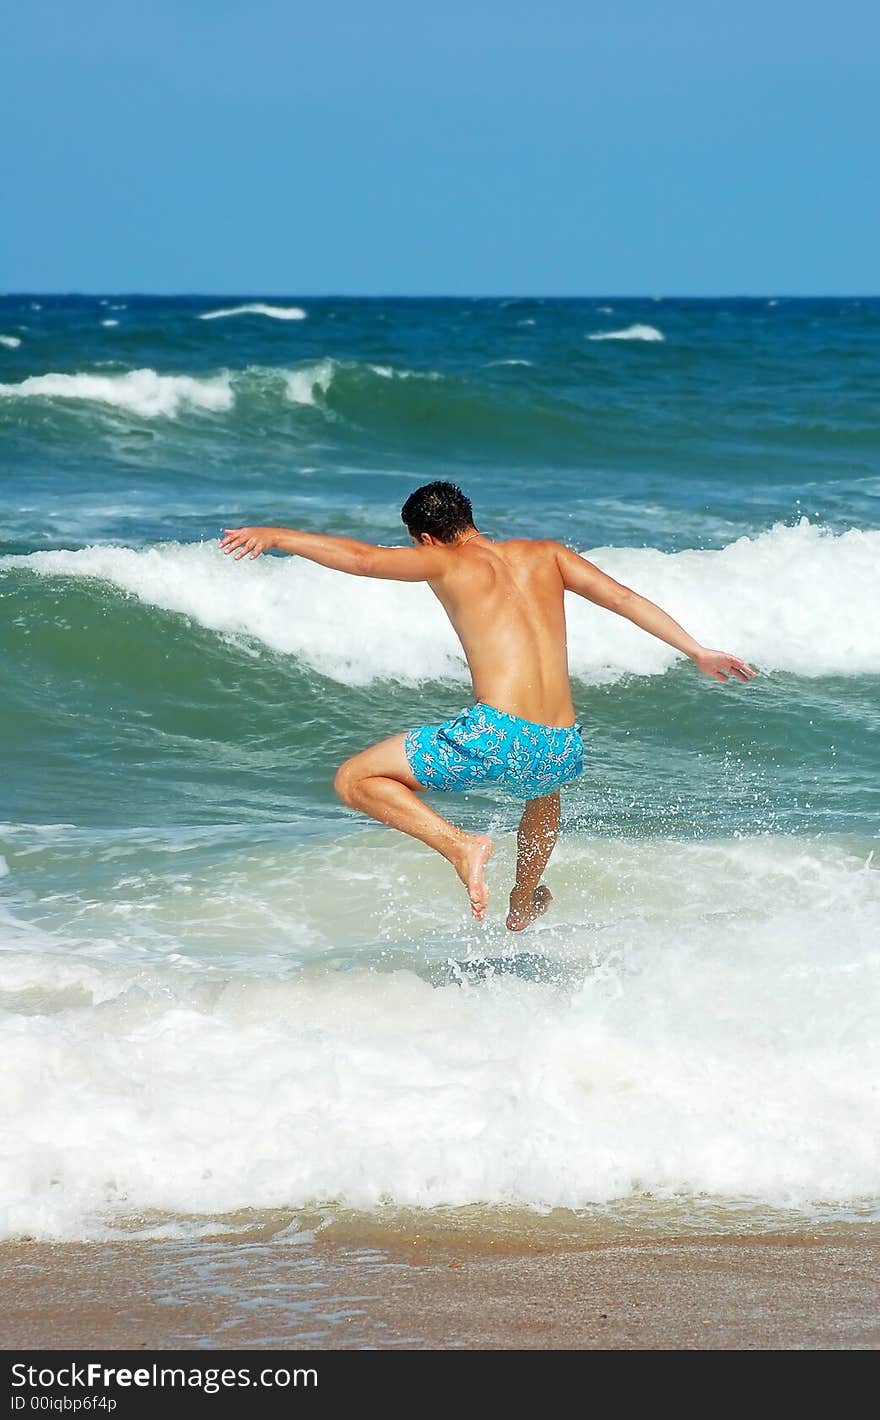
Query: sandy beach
[{"x": 776, "y": 1291}]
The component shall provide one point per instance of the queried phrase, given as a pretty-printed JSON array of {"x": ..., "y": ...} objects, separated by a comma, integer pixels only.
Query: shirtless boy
[{"x": 506, "y": 604}]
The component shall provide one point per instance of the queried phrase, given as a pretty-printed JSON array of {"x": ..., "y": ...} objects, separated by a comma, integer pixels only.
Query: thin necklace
[{"x": 468, "y": 538}]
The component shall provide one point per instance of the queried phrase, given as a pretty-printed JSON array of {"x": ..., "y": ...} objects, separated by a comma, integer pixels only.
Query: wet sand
[{"x": 773, "y": 1291}]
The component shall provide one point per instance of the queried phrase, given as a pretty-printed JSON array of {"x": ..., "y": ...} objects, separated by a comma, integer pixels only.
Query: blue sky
[{"x": 393, "y": 146}]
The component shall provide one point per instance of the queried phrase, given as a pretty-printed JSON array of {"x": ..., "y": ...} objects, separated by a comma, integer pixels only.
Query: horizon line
[{"x": 446, "y": 296}]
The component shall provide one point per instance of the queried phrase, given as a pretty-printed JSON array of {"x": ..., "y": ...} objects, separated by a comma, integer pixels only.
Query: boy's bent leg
[
  {"x": 379, "y": 782},
  {"x": 536, "y": 838}
]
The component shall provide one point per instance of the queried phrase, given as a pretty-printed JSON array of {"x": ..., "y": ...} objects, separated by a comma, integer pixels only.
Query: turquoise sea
[{"x": 223, "y": 996}]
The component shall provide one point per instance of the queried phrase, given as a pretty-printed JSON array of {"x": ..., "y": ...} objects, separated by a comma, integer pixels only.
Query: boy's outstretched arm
[
  {"x": 343, "y": 554},
  {"x": 588, "y": 581}
]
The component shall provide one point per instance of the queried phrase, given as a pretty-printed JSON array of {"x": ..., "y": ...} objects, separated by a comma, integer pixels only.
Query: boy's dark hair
[{"x": 440, "y": 509}]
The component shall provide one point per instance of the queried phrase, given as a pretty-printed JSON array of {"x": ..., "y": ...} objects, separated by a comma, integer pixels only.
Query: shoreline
[{"x": 718, "y": 1292}]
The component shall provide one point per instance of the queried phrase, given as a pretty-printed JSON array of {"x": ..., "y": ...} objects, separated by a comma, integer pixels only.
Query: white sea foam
[
  {"x": 142, "y": 392},
  {"x": 257, "y": 308},
  {"x": 796, "y": 598},
  {"x": 392, "y": 372},
  {"x": 302, "y": 384},
  {"x": 12, "y": 342},
  {"x": 510, "y": 362},
  {"x": 704, "y": 1040},
  {"x": 631, "y": 332},
  {"x": 109, "y": 322}
]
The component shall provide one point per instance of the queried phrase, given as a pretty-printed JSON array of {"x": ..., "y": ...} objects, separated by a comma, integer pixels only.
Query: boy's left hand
[{"x": 248, "y": 540}]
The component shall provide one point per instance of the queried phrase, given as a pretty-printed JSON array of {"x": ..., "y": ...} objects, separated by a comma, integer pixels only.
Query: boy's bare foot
[
  {"x": 522, "y": 912},
  {"x": 476, "y": 851}
]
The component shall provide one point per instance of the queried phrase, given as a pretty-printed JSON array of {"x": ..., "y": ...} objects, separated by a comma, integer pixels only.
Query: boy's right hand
[{"x": 722, "y": 666}]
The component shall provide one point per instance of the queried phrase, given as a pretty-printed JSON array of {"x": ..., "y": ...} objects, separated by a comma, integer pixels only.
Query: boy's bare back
[{"x": 505, "y": 601}]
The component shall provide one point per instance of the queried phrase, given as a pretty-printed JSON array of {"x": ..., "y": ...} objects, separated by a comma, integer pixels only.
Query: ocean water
[{"x": 223, "y": 996}]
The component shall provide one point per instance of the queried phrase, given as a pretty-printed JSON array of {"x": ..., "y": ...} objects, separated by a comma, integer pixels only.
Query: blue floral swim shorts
[{"x": 483, "y": 745}]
